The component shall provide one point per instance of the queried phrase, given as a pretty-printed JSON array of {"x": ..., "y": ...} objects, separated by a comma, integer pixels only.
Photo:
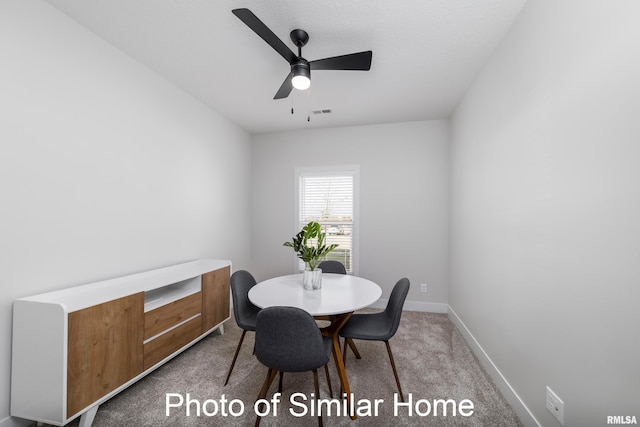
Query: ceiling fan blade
[
  {"x": 355, "y": 61},
  {"x": 252, "y": 21},
  {"x": 285, "y": 89}
]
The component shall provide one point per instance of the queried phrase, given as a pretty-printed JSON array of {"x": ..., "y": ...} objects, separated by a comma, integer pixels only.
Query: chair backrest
[
  {"x": 395, "y": 304},
  {"x": 243, "y": 310},
  {"x": 288, "y": 340},
  {"x": 331, "y": 266}
]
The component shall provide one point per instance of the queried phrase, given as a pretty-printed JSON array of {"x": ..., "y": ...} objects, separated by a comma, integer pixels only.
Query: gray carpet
[{"x": 432, "y": 358}]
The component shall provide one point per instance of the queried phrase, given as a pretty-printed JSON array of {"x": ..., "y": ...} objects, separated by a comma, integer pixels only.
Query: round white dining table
[
  {"x": 336, "y": 301},
  {"x": 340, "y": 293}
]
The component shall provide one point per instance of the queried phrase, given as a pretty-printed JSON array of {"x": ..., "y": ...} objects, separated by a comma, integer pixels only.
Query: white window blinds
[{"x": 328, "y": 198}]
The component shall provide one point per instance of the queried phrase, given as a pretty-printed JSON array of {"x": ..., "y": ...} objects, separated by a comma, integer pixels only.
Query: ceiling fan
[{"x": 300, "y": 75}]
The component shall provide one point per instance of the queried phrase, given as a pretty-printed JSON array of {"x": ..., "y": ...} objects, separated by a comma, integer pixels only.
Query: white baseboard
[
  {"x": 501, "y": 382},
  {"x": 427, "y": 307}
]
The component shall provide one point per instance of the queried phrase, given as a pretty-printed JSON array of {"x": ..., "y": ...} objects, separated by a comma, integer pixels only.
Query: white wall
[
  {"x": 545, "y": 208},
  {"x": 403, "y": 200},
  {"x": 105, "y": 168}
]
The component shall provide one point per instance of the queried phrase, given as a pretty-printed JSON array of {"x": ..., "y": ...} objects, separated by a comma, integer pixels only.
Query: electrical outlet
[
  {"x": 555, "y": 405},
  {"x": 423, "y": 288}
]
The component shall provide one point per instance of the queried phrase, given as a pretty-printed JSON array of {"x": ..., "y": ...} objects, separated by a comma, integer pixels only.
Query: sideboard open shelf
[
  {"x": 155, "y": 298},
  {"x": 77, "y": 347}
]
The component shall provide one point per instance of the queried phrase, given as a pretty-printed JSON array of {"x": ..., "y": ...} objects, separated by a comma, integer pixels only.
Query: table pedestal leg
[{"x": 333, "y": 331}]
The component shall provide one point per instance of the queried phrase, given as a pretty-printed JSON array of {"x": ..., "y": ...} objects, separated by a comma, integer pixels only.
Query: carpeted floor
[{"x": 433, "y": 361}]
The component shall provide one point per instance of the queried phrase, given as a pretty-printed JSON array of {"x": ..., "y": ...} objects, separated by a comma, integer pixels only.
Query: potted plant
[{"x": 311, "y": 254}]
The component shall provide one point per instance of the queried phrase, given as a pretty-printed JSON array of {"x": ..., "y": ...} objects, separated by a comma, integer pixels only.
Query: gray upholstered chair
[
  {"x": 331, "y": 266},
  {"x": 378, "y": 326},
  {"x": 243, "y": 310},
  {"x": 288, "y": 340}
]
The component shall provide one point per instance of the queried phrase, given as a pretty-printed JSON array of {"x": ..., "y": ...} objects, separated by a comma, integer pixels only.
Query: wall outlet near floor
[
  {"x": 423, "y": 288},
  {"x": 555, "y": 405}
]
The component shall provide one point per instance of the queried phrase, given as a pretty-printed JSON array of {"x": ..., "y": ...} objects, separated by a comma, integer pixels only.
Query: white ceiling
[{"x": 426, "y": 53}]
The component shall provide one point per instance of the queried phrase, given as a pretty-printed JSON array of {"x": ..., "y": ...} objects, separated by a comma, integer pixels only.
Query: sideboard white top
[{"x": 78, "y": 297}]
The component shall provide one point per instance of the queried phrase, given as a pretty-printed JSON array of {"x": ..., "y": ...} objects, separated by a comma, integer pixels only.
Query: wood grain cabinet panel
[
  {"x": 167, "y": 343},
  {"x": 215, "y": 298},
  {"x": 104, "y": 349},
  {"x": 162, "y": 318}
]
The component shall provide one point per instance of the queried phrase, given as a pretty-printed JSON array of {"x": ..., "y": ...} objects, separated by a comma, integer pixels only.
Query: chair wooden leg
[
  {"x": 280, "y": 382},
  {"x": 271, "y": 374},
  {"x": 395, "y": 372},
  {"x": 317, "y": 387},
  {"x": 235, "y": 356},
  {"x": 326, "y": 372}
]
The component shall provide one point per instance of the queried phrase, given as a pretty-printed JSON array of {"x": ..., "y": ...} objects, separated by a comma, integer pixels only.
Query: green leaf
[{"x": 311, "y": 255}]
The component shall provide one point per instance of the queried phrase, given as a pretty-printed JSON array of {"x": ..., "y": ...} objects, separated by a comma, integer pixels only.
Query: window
[{"x": 329, "y": 196}]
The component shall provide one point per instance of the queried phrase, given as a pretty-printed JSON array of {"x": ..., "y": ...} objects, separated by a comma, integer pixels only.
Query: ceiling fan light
[
  {"x": 301, "y": 78},
  {"x": 301, "y": 82}
]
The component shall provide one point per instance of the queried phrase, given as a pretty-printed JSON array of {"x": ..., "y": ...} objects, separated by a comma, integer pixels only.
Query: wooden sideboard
[{"x": 75, "y": 348}]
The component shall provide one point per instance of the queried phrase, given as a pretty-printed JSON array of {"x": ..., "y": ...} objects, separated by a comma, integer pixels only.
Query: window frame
[{"x": 353, "y": 170}]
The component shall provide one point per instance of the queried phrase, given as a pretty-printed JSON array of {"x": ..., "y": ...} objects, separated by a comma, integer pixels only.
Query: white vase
[{"x": 312, "y": 279}]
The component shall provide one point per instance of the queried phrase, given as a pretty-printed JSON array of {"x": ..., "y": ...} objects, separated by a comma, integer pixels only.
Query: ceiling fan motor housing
[{"x": 301, "y": 68}]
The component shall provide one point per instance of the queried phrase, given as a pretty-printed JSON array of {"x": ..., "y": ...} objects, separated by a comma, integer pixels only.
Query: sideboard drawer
[
  {"x": 162, "y": 318},
  {"x": 165, "y": 344}
]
